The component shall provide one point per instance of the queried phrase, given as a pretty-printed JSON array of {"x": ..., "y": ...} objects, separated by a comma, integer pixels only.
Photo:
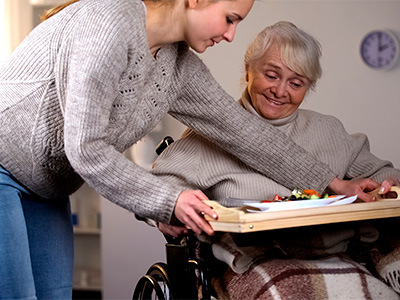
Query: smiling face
[
  {"x": 275, "y": 90},
  {"x": 209, "y": 22}
]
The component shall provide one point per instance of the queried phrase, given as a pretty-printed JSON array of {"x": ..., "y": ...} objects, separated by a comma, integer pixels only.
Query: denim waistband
[{"x": 7, "y": 178}]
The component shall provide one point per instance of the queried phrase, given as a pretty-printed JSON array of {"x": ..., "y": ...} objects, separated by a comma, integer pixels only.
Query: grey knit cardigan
[{"x": 83, "y": 87}]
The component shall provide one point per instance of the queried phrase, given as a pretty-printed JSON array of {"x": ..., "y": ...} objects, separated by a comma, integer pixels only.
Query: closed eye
[{"x": 297, "y": 85}]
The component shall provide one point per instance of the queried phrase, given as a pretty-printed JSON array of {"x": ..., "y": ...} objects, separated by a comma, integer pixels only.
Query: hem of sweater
[{"x": 23, "y": 178}]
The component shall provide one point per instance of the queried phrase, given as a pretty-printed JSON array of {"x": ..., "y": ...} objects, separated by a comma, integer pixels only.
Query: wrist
[{"x": 335, "y": 185}]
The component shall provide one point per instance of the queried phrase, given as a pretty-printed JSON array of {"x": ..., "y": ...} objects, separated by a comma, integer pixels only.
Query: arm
[
  {"x": 205, "y": 107},
  {"x": 181, "y": 164},
  {"x": 367, "y": 165},
  {"x": 97, "y": 59},
  {"x": 365, "y": 171}
]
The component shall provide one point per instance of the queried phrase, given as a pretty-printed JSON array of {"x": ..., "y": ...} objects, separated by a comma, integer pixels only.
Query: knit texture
[
  {"x": 83, "y": 87},
  {"x": 193, "y": 162}
]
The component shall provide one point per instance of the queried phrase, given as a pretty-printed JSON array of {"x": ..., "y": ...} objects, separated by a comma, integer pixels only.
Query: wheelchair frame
[{"x": 184, "y": 276}]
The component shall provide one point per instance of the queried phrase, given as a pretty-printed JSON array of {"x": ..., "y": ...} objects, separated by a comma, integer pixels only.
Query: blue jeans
[{"x": 36, "y": 244}]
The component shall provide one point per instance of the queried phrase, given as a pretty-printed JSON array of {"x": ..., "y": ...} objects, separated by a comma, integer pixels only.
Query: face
[
  {"x": 275, "y": 90},
  {"x": 209, "y": 22}
]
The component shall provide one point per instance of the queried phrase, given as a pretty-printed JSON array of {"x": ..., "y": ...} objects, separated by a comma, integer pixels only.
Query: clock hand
[
  {"x": 383, "y": 47},
  {"x": 379, "y": 42}
]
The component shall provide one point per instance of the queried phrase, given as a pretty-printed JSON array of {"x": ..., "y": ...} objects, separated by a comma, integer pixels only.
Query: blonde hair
[
  {"x": 299, "y": 50},
  {"x": 52, "y": 11}
]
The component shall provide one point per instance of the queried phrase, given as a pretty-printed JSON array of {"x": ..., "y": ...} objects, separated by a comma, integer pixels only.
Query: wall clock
[{"x": 380, "y": 49}]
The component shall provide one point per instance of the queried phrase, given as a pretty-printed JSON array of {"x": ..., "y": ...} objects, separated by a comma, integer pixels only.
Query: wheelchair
[{"x": 188, "y": 271}]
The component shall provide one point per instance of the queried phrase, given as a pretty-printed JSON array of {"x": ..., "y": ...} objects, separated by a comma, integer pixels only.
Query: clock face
[{"x": 380, "y": 49}]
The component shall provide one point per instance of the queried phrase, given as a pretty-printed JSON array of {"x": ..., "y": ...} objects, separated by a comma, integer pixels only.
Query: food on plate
[{"x": 299, "y": 194}]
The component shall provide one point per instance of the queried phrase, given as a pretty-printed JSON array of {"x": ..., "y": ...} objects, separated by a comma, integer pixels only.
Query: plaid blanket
[
  {"x": 355, "y": 260},
  {"x": 332, "y": 278}
]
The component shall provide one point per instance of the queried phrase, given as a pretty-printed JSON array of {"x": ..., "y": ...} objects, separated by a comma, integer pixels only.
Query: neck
[{"x": 163, "y": 24}]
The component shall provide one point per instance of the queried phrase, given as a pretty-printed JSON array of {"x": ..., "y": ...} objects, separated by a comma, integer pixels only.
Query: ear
[{"x": 246, "y": 68}]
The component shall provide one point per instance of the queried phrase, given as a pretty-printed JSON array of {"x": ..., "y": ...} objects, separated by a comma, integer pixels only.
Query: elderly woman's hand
[
  {"x": 172, "y": 230},
  {"x": 387, "y": 184},
  {"x": 359, "y": 187},
  {"x": 190, "y": 210},
  {"x": 384, "y": 191}
]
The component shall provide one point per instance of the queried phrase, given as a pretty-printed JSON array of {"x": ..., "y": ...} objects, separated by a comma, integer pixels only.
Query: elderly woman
[{"x": 282, "y": 65}]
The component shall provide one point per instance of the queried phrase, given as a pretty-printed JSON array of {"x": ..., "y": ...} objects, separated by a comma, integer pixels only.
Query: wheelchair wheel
[{"x": 155, "y": 284}]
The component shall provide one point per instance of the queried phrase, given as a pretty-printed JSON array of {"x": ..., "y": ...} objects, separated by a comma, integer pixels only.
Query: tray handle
[
  {"x": 226, "y": 213},
  {"x": 395, "y": 189}
]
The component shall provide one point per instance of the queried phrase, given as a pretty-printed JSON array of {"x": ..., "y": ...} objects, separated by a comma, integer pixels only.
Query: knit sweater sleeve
[
  {"x": 205, "y": 107},
  {"x": 364, "y": 163},
  {"x": 97, "y": 59}
]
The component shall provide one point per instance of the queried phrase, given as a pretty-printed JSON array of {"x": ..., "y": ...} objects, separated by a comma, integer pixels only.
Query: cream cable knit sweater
[
  {"x": 83, "y": 87},
  {"x": 193, "y": 162}
]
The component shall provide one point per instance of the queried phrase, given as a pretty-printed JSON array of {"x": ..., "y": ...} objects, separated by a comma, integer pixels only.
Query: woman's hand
[
  {"x": 359, "y": 187},
  {"x": 387, "y": 184},
  {"x": 384, "y": 190},
  {"x": 190, "y": 209}
]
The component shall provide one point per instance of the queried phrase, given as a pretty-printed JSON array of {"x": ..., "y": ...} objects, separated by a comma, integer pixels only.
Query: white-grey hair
[{"x": 299, "y": 51}]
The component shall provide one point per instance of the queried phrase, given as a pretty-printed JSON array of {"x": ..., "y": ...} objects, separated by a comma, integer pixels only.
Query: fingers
[
  {"x": 392, "y": 181},
  {"x": 190, "y": 210},
  {"x": 366, "y": 197},
  {"x": 368, "y": 184},
  {"x": 385, "y": 187},
  {"x": 172, "y": 230},
  {"x": 199, "y": 225},
  {"x": 195, "y": 219}
]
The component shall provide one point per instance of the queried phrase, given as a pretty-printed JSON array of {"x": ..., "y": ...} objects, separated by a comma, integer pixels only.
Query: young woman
[{"x": 89, "y": 82}]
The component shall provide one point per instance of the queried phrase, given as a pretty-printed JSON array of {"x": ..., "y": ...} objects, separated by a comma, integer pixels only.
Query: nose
[
  {"x": 229, "y": 34},
  {"x": 279, "y": 89}
]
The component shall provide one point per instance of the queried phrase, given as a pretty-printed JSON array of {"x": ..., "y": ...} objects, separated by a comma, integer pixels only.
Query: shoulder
[
  {"x": 105, "y": 16},
  {"x": 313, "y": 117},
  {"x": 329, "y": 126},
  {"x": 110, "y": 7}
]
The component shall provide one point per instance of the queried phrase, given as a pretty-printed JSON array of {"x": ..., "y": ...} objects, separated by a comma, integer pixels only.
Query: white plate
[
  {"x": 298, "y": 204},
  {"x": 344, "y": 201}
]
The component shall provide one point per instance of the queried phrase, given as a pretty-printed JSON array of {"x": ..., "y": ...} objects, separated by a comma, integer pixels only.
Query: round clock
[{"x": 380, "y": 49}]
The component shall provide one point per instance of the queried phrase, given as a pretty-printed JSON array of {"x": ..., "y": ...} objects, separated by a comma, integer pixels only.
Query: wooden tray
[{"x": 237, "y": 220}]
